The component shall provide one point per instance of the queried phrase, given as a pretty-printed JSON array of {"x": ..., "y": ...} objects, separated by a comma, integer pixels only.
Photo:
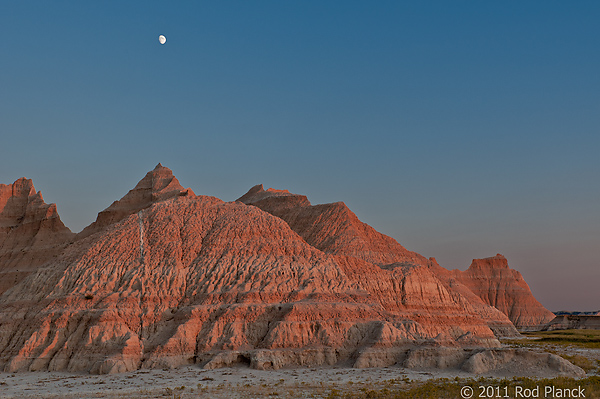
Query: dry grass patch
[
  {"x": 585, "y": 363},
  {"x": 451, "y": 389}
]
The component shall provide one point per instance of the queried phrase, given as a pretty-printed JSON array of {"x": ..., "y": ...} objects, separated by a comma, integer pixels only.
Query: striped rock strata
[
  {"x": 504, "y": 288},
  {"x": 166, "y": 278}
]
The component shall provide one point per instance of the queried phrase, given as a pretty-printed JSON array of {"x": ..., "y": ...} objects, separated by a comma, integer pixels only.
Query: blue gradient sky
[{"x": 461, "y": 129}]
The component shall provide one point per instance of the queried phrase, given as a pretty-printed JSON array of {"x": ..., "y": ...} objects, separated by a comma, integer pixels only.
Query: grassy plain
[{"x": 581, "y": 338}]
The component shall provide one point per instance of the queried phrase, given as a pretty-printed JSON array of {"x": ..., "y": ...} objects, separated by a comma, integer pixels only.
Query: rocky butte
[
  {"x": 165, "y": 278},
  {"x": 505, "y": 289}
]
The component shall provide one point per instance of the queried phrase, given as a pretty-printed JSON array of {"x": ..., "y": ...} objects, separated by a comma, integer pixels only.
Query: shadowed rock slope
[{"x": 165, "y": 278}]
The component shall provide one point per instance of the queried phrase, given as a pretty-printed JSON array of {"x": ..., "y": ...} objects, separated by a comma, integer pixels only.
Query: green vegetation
[
  {"x": 581, "y": 361},
  {"x": 581, "y": 338}
]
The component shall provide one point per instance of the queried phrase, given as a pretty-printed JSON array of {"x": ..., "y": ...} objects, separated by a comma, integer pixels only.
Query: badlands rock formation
[
  {"x": 504, "y": 288},
  {"x": 165, "y": 278},
  {"x": 31, "y": 232},
  {"x": 332, "y": 228}
]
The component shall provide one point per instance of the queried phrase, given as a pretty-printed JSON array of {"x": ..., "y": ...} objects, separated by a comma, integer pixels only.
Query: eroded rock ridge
[{"x": 164, "y": 278}]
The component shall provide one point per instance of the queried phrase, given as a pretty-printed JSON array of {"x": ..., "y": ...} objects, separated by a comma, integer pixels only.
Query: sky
[{"x": 462, "y": 129}]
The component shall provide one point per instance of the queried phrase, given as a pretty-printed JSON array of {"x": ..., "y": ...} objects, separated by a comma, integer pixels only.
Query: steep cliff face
[
  {"x": 31, "y": 232},
  {"x": 185, "y": 279},
  {"x": 505, "y": 289}
]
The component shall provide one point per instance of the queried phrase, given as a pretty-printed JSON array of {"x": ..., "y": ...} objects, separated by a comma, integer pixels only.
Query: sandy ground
[{"x": 193, "y": 382}]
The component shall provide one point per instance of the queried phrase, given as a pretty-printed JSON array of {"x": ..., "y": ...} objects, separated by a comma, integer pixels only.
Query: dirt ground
[
  {"x": 241, "y": 382},
  {"x": 193, "y": 382}
]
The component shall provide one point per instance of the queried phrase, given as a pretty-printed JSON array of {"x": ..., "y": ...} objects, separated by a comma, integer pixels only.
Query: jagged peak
[
  {"x": 22, "y": 190},
  {"x": 20, "y": 204},
  {"x": 254, "y": 190},
  {"x": 22, "y": 187},
  {"x": 157, "y": 185}
]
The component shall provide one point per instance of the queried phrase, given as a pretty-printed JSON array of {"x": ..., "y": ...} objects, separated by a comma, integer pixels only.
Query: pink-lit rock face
[
  {"x": 331, "y": 228},
  {"x": 165, "y": 278},
  {"x": 505, "y": 289},
  {"x": 335, "y": 229},
  {"x": 31, "y": 232}
]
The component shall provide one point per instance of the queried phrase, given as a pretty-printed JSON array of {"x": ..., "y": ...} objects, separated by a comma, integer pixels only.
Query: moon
[{"x": 162, "y": 39}]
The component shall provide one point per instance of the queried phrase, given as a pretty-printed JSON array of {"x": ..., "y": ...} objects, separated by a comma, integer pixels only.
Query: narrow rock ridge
[
  {"x": 141, "y": 227},
  {"x": 272, "y": 200},
  {"x": 258, "y": 193}
]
